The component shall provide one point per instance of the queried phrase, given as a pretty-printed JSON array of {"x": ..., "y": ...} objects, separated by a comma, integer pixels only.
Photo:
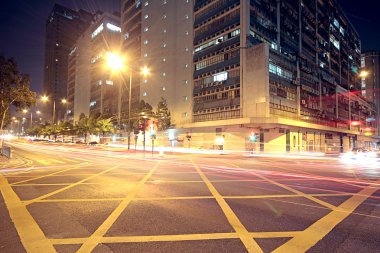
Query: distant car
[
  {"x": 92, "y": 143},
  {"x": 360, "y": 154}
]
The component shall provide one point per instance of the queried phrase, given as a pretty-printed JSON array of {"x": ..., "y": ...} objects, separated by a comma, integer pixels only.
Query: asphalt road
[{"x": 97, "y": 199}]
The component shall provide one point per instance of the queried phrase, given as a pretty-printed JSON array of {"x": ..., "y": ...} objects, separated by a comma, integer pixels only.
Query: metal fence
[{"x": 6, "y": 151}]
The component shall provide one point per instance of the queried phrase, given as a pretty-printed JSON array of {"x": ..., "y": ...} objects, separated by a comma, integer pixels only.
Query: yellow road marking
[
  {"x": 28, "y": 202},
  {"x": 32, "y": 237},
  {"x": 57, "y": 161},
  {"x": 316, "y": 232},
  {"x": 96, "y": 237},
  {"x": 249, "y": 243},
  {"x": 299, "y": 193},
  {"x": 50, "y": 174},
  {"x": 172, "y": 238},
  {"x": 43, "y": 162}
]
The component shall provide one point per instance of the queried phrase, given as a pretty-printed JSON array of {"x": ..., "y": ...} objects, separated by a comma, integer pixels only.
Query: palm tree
[
  {"x": 104, "y": 126},
  {"x": 85, "y": 126}
]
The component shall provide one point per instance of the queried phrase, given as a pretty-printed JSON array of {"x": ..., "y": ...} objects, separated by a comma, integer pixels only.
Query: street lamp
[
  {"x": 45, "y": 99},
  {"x": 116, "y": 63},
  {"x": 31, "y": 115}
]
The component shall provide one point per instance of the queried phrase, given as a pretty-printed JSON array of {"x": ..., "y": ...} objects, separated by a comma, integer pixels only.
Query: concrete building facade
[
  {"x": 161, "y": 31},
  {"x": 371, "y": 84},
  {"x": 285, "y": 70},
  {"x": 92, "y": 87},
  {"x": 63, "y": 28}
]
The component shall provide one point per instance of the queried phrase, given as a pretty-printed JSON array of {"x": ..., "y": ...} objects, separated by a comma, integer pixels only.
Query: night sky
[{"x": 22, "y": 28}]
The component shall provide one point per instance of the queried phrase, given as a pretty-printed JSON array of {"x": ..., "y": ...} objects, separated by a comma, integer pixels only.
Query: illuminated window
[
  {"x": 146, "y": 16},
  {"x": 144, "y": 94},
  {"x": 109, "y": 82},
  {"x": 97, "y": 31},
  {"x": 146, "y": 42},
  {"x": 146, "y": 29},
  {"x": 219, "y": 77},
  {"x": 146, "y": 3},
  {"x": 163, "y": 88},
  {"x": 113, "y": 27}
]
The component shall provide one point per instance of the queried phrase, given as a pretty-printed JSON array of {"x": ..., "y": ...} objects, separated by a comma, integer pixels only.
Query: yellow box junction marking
[
  {"x": 32, "y": 237},
  {"x": 97, "y": 236},
  {"x": 249, "y": 243},
  {"x": 316, "y": 232}
]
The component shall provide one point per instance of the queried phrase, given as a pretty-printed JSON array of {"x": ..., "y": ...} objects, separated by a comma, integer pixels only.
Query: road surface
[{"x": 72, "y": 198}]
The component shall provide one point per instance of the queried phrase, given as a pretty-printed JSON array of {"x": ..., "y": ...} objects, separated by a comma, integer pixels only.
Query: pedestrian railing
[{"x": 6, "y": 151}]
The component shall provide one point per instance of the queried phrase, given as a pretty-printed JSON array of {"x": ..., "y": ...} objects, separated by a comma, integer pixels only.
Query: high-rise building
[
  {"x": 286, "y": 70},
  {"x": 371, "y": 83},
  {"x": 159, "y": 35},
  {"x": 63, "y": 28},
  {"x": 93, "y": 87}
]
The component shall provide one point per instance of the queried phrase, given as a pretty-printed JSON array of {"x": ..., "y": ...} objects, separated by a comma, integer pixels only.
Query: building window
[
  {"x": 145, "y": 81},
  {"x": 164, "y": 31},
  {"x": 186, "y": 65},
  {"x": 164, "y": 74},
  {"x": 164, "y": 59},
  {"x": 219, "y": 77},
  {"x": 164, "y": 16},
  {"x": 146, "y": 16},
  {"x": 186, "y": 49},
  {"x": 186, "y": 33},
  {"x": 185, "y": 81},
  {"x": 109, "y": 82},
  {"x": 144, "y": 94},
  {"x": 184, "y": 115},
  {"x": 185, "y": 98},
  {"x": 146, "y": 3},
  {"x": 163, "y": 88},
  {"x": 113, "y": 27},
  {"x": 164, "y": 45},
  {"x": 164, "y": 2},
  {"x": 97, "y": 31},
  {"x": 186, "y": 16},
  {"x": 146, "y": 42},
  {"x": 280, "y": 72},
  {"x": 146, "y": 29}
]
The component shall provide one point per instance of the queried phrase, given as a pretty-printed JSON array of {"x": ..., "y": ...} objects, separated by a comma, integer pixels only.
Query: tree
[
  {"x": 163, "y": 115},
  {"x": 104, "y": 125},
  {"x": 14, "y": 89},
  {"x": 85, "y": 126},
  {"x": 34, "y": 131}
]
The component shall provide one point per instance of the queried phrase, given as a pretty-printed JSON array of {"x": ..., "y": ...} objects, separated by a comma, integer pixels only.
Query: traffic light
[
  {"x": 253, "y": 136},
  {"x": 188, "y": 136},
  {"x": 142, "y": 126}
]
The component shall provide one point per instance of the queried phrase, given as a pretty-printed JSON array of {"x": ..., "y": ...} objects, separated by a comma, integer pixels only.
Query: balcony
[
  {"x": 215, "y": 48},
  {"x": 217, "y": 67},
  {"x": 215, "y": 29},
  {"x": 200, "y": 18}
]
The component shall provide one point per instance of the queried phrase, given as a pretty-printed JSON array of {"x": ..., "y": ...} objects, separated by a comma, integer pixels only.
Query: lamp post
[
  {"x": 116, "y": 63},
  {"x": 46, "y": 99},
  {"x": 31, "y": 115}
]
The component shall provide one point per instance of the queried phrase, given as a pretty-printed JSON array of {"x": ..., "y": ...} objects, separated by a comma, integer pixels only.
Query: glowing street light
[
  {"x": 115, "y": 62},
  {"x": 45, "y": 99},
  {"x": 363, "y": 74}
]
